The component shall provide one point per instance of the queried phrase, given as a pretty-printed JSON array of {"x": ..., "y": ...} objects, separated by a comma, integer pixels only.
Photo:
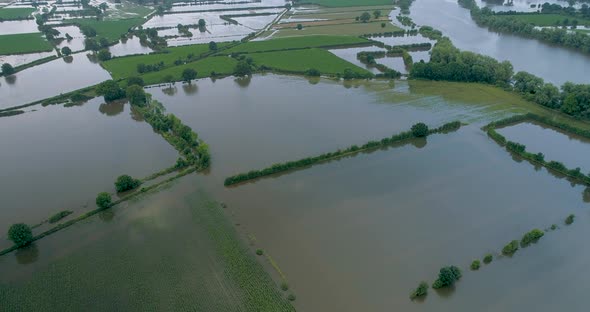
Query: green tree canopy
[
  {"x": 20, "y": 234},
  {"x": 65, "y": 51},
  {"x": 126, "y": 183},
  {"x": 189, "y": 74},
  {"x": 420, "y": 130},
  {"x": 136, "y": 95},
  {"x": 103, "y": 200},
  {"x": 7, "y": 69},
  {"x": 110, "y": 90}
]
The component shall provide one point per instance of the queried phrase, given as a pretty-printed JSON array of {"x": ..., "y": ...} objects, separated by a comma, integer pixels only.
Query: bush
[
  {"x": 60, "y": 215},
  {"x": 570, "y": 219},
  {"x": 126, "y": 183},
  {"x": 284, "y": 286},
  {"x": 510, "y": 248},
  {"x": 242, "y": 69},
  {"x": 259, "y": 252},
  {"x": 421, "y": 291},
  {"x": 110, "y": 90},
  {"x": 104, "y": 55},
  {"x": 312, "y": 72},
  {"x": 136, "y": 95},
  {"x": 103, "y": 200},
  {"x": 20, "y": 234},
  {"x": 7, "y": 69},
  {"x": 291, "y": 297},
  {"x": 475, "y": 265},
  {"x": 447, "y": 277},
  {"x": 553, "y": 227},
  {"x": 531, "y": 237},
  {"x": 420, "y": 130},
  {"x": 488, "y": 258},
  {"x": 138, "y": 81}
]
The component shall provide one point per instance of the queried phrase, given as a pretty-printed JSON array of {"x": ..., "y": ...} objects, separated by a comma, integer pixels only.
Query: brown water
[
  {"x": 555, "y": 144},
  {"x": 357, "y": 234},
  {"x": 59, "y": 158}
]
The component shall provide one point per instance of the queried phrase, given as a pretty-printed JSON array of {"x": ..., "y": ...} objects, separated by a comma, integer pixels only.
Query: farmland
[
  {"x": 347, "y": 3},
  {"x": 220, "y": 65},
  {"x": 23, "y": 43},
  {"x": 15, "y": 13},
  {"x": 297, "y": 43},
  {"x": 110, "y": 29}
]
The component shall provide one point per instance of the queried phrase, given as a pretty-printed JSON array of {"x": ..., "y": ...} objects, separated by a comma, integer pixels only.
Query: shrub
[
  {"x": 299, "y": 27},
  {"x": 475, "y": 265},
  {"x": 242, "y": 69},
  {"x": 291, "y": 297},
  {"x": 488, "y": 258},
  {"x": 284, "y": 286},
  {"x": 312, "y": 72},
  {"x": 134, "y": 80},
  {"x": 531, "y": 237},
  {"x": 553, "y": 227},
  {"x": 126, "y": 183},
  {"x": 7, "y": 69},
  {"x": 570, "y": 219},
  {"x": 510, "y": 248},
  {"x": 447, "y": 277},
  {"x": 65, "y": 51},
  {"x": 103, "y": 200},
  {"x": 60, "y": 215},
  {"x": 259, "y": 252},
  {"x": 420, "y": 130},
  {"x": 135, "y": 95},
  {"x": 110, "y": 90},
  {"x": 20, "y": 234},
  {"x": 104, "y": 55},
  {"x": 421, "y": 291}
]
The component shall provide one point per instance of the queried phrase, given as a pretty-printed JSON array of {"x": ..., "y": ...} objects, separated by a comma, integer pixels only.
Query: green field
[
  {"x": 23, "y": 43},
  {"x": 302, "y": 60},
  {"x": 127, "y": 66},
  {"x": 348, "y": 3},
  {"x": 221, "y": 65},
  {"x": 353, "y": 29},
  {"x": 297, "y": 42},
  {"x": 546, "y": 19},
  {"x": 111, "y": 30},
  {"x": 15, "y": 13}
]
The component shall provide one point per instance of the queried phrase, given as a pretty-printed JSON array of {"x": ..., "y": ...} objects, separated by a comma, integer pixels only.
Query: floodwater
[
  {"x": 50, "y": 79},
  {"x": 129, "y": 47},
  {"x": 525, "y": 54},
  {"x": 20, "y": 59},
  {"x": 357, "y": 234},
  {"x": 18, "y": 27},
  {"x": 59, "y": 158},
  {"x": 77, "y": 42},
  {"x": 571, "y": 150},
  {"x": 349, "y": 54}
]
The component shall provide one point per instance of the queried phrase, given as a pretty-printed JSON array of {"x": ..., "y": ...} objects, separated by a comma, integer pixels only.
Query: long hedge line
[
  {"x": 538, "y": 158},
  {"x": 290, "y": 165}
]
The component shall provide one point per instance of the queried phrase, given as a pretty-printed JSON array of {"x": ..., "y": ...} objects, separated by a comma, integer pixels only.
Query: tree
[
  {"x": 312, "y": 72},
  {"x": 7, "y": 69},
  {"x": 169, "y": 79},
  {"x": 202, "y": 23},
  {"x": 126, "y": 183},
  {"x": 91, "y": 44},
  {"x": 242, "y": 69},
  {"x": 475, "y": 265},
  {"x": 103, "y": 6},
  {"x": 213, "y": 46},
  {"x": 510, "y": 248},
  {"x": 189, "y": 74},
  {"x": 421, "y": 291},
  {"x": 88, "y": 31},
  {"x": 134, "y": 80},
  {"x": 420, "y": 130},
  {"x": 104, "y": 43},
  {"x": 104, "y": 55},
  {"x": 20, "y": 234},
  {"x": 365, "y": 17},
  {"x": 65, "y": 51},
  {"x": 377, "y": 14},
  {"x": 110, "y": 90},
  {"x": 136, "y": 95},
  {"x": 299, "y": 26},
  {"x": 103, "y": 200},
  {"x": 447, "y": 276}
]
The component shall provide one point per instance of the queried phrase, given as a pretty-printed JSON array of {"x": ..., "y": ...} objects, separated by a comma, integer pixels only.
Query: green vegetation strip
[
  {"x": 23, "y": 43},
  {"x": 345, "y": 3},
  {"x": 420, "y": 131},
  {"x": 15, "y": 13},
  {"x": 110, "y": 30},
  {"x": 538, "y": 158},
  {"x": 298, "y": 43}
]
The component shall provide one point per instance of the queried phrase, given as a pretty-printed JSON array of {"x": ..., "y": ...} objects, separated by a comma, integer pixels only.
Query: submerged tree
[
  {"x": 103, "y": 200},
  {"x": 20, "y": 234},
  {"x": 110, "y": 90},
  {"x": 447, "y": 277},
  {"x": 7, "y": 69},
  {"x": 65, "y": 51},
  {"x": 135, "y": 95},
  {"x": 242, "y": 69},
  {"x": 420, "y": 130},
  {"x": 126, "y": 183}
]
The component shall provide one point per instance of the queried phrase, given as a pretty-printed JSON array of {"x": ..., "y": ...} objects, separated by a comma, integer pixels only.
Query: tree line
[{"x": 418, "y": 130}]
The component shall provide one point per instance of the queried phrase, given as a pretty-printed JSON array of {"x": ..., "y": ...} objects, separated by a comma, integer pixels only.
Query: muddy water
[
  {"x": 59, "y": 158},
  {"x": 557, "y": 145},
  {"x": 50, "y": 79},
  {"x": 129, "y": 47},
  {"x": 525, "y": 54}
]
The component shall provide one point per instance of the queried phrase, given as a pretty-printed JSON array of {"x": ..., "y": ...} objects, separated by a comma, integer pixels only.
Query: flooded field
[
  {"x": 18, "y": 27},
  {"x": 555, "y": 144},
  {"x": 59, "y": 158},
  {"x": 72, "y": 74}
]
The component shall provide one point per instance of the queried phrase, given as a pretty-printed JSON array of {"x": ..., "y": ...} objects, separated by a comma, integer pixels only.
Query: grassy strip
[
  {"x": 345, "y": 3},
  {"x": 352, "y": 29},
  {"x": 208, "y": 67},
  {"x": 280, "y": 44},
  {"x": 110, "y": 30},
  {"x": 299, "y": 61},
  {"x": 305, "y": 162},
  {"x": 538, "y": 158},
  {"x": 7, "y": 14},
  {"x": 11, "y": 113},
  {"x": 24, "y": 43}
]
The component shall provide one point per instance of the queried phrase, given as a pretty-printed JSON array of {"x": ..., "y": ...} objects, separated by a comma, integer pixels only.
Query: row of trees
[
  {"x": 486, "y": 17},
  {"x": 418, "y": 130}
]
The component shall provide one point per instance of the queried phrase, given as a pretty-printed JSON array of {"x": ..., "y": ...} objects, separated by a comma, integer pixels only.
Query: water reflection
[
  {"x": 107, "y": 215},
  {"x": 112, "y": 108},
  {"x": 419, "y": 142},
  {"x": 313, "y": 80},
  {"x": 243, "y": 82},
  {"x": 10, "y": 79},
  {"x": 170, "y": 91},
  {"x": 68, "y": 59},
  {"x": 27, "y": 255},
  {"x": 190, "y": 88}
]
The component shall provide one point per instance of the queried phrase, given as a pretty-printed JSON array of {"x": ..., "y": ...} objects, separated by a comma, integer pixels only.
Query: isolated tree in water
[
  {"x": 7, "y": 69},
  {"x": 420, "y": 130},
  {"x": 20, "y": 234}
]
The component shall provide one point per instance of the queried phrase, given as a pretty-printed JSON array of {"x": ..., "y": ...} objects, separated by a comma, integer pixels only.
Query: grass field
[
  {"x": 297, "y": 42},
  {"x": 348, "y": 3},
  {"x": 221, "y": 65},
  {"x": 127, "y": 66},
  {"x": 15, "y": 13},
  {"x": 353, "y": 29},
  {"x": 23, "y": 43},
  {"x": 111, "y": 30},
  {"x": 302, "y": 60},
  {"x": 547, "y": 19}
]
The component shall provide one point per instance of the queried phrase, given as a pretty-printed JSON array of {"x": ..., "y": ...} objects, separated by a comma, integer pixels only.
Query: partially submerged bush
[
  {"x": 284, "y": 286},
  {"x": 20, "y": 234},
  {"x": 291, "y": 297},
  {"x": 103, "y": 200},
  {"x": 421, "y": 291},
  {"x": 475, "y": 265},
  {"x": 126, "y": 183},
  {"x": 488, "y": 258},
  {"x": 531, "y": 237},
  {"x": 60, "y": 215},
  {"x": 447, "y": 277},
  {"x": 510, "y": 248},
  {"x": 570, "y": 219},
  {"x": 420, "y": 130},
  {"x": 259, "y": 252}
]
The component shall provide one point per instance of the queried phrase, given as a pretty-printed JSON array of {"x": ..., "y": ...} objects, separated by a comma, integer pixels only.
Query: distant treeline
[
  {"x": 538, "y": 158},
  {"x": 502, "y": 23},
  {"x": 282, "y": 167}
]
